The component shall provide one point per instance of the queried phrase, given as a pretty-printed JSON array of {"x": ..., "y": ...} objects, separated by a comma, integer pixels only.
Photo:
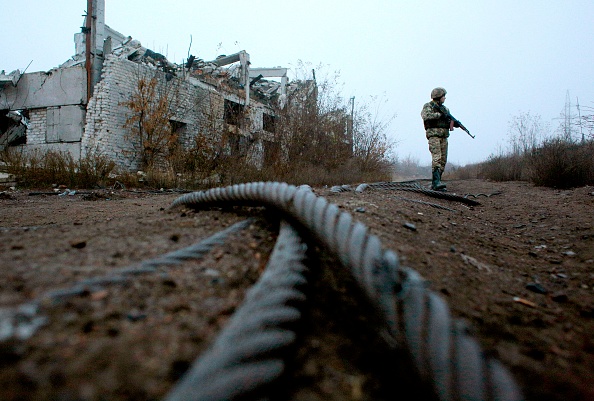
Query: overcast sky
[{"x": 496, "y": 59}]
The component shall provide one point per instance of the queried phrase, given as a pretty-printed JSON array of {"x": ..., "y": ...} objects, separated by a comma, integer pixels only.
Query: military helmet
[{"x": 438, "y": 92}]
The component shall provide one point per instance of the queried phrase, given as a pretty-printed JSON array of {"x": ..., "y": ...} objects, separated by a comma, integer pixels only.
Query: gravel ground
[{"x": 519, "y": 268}]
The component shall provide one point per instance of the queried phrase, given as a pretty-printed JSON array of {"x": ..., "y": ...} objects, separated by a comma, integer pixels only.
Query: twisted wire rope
[
  {"x": 433, "y": 205},
  {"x": 23, "y": 320},
  {"x": 251, "y": 351},
  {"x": 195, "y": 251},
  {"x": 446, "y": 357},
  {"x": 416, "y": 187}
]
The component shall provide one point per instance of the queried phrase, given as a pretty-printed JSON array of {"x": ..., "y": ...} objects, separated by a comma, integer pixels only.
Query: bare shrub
[
  {"x": 470, "y": 171},
  {"x": 321, "y": 141},
  {"x": 504, "y": 168},
  {"x": 409, "y": 168},
  {"x": 372, "y": 149},
  {"x": 562, "y": 164},
  {"x": 153, "y": 105},
  {"x": 315, "y": 138}
]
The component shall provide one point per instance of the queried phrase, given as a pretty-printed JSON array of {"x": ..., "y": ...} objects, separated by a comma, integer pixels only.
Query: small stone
[
  {"x": 560, "y": 297},
  {"x": 78, "y": 244},
  {"x": 360, "y": 210},
  {"x": 212, "y": 273},
  {"x": 136, "y": 316},
  {"x": 410, "y": 226},
  {"x": 535, "y": 287}
]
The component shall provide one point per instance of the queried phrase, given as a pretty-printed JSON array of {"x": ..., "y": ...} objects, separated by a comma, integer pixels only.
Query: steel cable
[
  {"x": 446, "y": 357},
  {"x": 416, "y": 187},
  {"x": 195, "y": 251},
  {"x": 250, "y": 352},
  {"x": 23, "y": 320},
  {"x": 434, "y": 205}
]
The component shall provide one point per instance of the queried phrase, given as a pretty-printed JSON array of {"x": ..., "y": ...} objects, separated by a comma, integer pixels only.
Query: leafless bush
[
  {"x": 505, "y": 168},
  {"x": 562, "y": 164},
  {"x": 152, "y": 105},
  {"x": 467, "y": 172},
  {"x": 409, "y": 168}
]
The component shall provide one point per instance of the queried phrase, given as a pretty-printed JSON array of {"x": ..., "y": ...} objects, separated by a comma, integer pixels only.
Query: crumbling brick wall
[{"x": 199, "y": 109}]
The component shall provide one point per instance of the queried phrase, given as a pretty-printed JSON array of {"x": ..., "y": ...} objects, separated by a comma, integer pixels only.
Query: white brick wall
[
  {"x": 106, "y": 129},
  {"x": 37, "y": 126},
  {"x": 197, "y": 107}
]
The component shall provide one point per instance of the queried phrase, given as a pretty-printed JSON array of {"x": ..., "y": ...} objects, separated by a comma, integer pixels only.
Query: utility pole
[
  {"x": 577, "y": 104},
  {"x": 351, "y": 120},
  {"x": 88, "y": 39},
  {"x": 567, "y": 125}
]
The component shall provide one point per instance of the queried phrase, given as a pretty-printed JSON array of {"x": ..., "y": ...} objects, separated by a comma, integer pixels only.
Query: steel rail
[
  {"x": 446, "y": 358},
  {"x": 251, "y": 351}
]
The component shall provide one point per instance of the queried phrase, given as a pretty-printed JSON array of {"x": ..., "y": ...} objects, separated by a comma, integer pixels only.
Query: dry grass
[{"x": 556, "y": 163}]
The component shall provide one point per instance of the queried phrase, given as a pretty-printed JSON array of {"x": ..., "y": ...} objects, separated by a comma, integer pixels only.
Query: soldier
[{"x": 437, "y": 131}]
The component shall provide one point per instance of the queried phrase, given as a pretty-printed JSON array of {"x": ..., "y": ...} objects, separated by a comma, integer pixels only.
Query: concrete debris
[
  {"x": 12, "y": 78},
  {"x": 13, "y": 128}
]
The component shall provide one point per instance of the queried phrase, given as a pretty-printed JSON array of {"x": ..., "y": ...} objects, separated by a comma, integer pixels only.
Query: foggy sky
[{"x": 496, "y": 59}]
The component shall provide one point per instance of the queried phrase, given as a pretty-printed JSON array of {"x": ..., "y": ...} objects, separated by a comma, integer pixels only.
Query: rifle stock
[{"x": 446, "y": 113}]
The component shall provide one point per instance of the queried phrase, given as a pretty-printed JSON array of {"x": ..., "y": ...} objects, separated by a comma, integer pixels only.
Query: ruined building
[{"x": 78, "y": 107}]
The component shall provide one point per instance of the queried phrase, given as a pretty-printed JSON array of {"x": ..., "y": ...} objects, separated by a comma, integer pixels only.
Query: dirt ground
[{"x": 519, "y": 268}]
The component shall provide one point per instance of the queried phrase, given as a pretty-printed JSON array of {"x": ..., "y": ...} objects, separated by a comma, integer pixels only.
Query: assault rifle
[{"x": 457, "y": 123}]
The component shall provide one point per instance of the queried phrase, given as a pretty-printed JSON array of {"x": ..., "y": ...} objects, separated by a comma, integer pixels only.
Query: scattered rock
[
  {"x": 360, "y": 210},
  {"x": 136, "y": 316},
  {"x": 410, "y": 226},
  {"x": 78, "y": 244},
  {"x": 560, "y": 297},
  {"x": 535, "y": 287}
]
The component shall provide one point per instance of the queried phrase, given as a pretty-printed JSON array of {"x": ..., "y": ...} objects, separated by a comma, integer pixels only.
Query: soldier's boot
[
  {"x": 436, "y": 183},
  {"x": 440, "y": 181}
]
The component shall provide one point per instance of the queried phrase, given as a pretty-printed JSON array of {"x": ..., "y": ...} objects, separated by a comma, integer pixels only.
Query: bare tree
[
  {"x": 153, "y": 105},
  {"x": 525, "y": 132},
  {"x": 372, "y": 148}
]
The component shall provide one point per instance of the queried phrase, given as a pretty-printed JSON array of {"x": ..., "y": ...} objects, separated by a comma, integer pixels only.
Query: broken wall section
[
  {"x": 54, "y": 102},
  {"x": 199, "y": 109}
]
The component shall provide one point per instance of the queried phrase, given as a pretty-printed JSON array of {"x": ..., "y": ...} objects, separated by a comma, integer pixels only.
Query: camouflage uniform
[{"x": 437, "y": 131}]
